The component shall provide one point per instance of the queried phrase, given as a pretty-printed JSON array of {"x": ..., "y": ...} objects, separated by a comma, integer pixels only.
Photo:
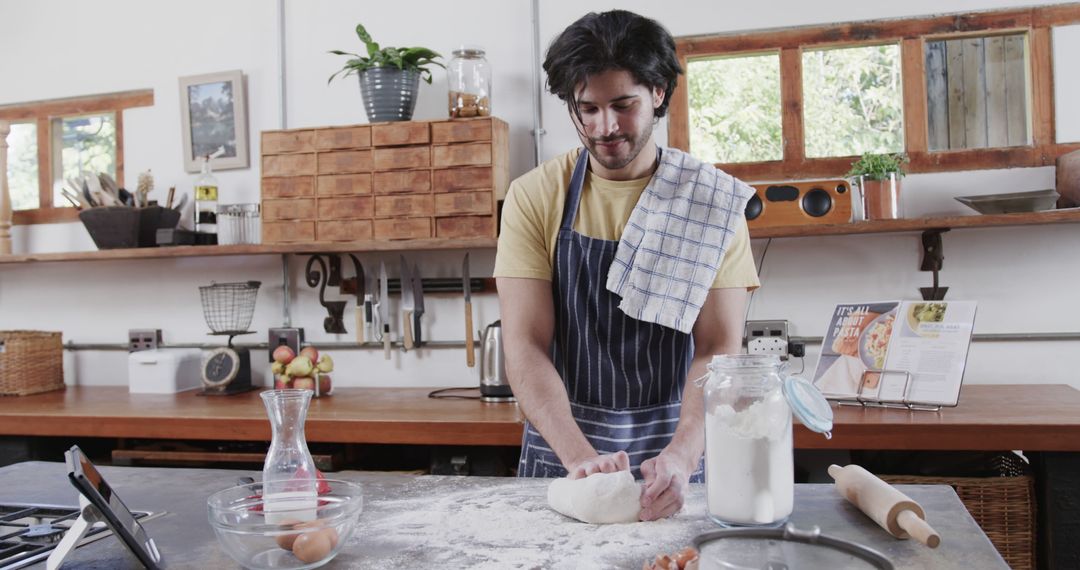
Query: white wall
[{"x": 1024, "y": 278}]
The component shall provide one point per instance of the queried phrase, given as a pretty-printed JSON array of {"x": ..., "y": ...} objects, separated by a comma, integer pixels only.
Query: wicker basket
[
  {"x": 30, "y": 362},
  {"x": 1003, "y": 506}
]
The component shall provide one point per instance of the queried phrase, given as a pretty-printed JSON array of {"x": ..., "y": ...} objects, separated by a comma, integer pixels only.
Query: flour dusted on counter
[
  {"x": 509, "y": 525},
  {"x": 750, "y": 471}
]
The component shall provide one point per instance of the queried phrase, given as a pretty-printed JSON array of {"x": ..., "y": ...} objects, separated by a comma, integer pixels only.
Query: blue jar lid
[{"x": 809, "y": 405}]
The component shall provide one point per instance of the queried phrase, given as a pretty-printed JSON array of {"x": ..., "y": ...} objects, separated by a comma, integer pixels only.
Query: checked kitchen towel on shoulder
[{"x": 675, "y": 240}]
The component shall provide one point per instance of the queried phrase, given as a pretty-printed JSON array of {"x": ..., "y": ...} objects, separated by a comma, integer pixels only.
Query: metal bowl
[
  {"x": 255, "y": 531},
  {"x": 1014, "y": 202}
]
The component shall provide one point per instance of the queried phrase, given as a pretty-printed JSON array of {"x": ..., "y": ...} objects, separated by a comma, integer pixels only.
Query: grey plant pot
[{"x": 389, "y": 94}]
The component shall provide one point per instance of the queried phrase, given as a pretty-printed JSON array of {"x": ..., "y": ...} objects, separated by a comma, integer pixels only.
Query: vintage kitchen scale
[{"x": 228, "y": 308}]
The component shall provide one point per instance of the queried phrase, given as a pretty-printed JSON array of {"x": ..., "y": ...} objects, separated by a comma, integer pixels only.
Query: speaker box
[{"x": 799, "y": 203}]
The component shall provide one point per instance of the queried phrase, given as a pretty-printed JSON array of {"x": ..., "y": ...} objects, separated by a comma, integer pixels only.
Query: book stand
[{"x": 877, "y": 401}]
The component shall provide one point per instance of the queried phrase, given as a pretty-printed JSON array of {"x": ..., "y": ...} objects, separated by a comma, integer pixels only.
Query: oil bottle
[{"x": 206, "y": 198}]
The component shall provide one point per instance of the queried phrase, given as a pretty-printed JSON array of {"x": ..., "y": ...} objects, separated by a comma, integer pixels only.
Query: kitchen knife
[
  {"x": 361, "y": 290},
  {"x": 418, "y": 297},
  {"x": 470, "y": 350},
  {"x": 408, "y": 305},
  {"x": 368, "y": 314},
  {"x": 384, "y": 311}
]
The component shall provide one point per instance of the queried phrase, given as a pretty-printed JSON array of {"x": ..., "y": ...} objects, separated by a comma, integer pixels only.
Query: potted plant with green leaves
[
  {"x": 389, "y": 77},
  {"x": 878, "y": 178}
]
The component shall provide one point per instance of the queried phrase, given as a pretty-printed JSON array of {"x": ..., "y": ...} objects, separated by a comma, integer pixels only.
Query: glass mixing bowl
[{"x": 285, "y": 533}]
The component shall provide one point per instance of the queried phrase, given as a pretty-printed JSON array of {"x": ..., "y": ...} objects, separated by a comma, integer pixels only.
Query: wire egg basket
[{"x": 228, "y": 307}]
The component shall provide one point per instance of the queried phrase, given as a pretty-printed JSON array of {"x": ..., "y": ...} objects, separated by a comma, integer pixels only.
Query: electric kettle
[{"x": 493, "y": 384}]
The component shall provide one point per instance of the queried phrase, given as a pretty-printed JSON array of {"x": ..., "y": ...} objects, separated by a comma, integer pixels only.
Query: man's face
[{"x": 616, "y": 122}]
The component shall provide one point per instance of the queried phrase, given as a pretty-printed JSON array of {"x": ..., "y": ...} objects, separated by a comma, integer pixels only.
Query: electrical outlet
[
  {"x": 777, "y": 330},
  {"x": 143, "y": 339},
  {"x": 290, "y": 337},
  {"x": 768, "y": 345}
]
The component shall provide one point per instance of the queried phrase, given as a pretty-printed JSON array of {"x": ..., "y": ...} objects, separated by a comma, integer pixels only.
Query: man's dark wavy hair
[{"x": 615, "y": 40}]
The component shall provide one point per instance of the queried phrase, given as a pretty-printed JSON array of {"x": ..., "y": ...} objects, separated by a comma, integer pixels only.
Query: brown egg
[
  {"x": 312, "y": 546},
  {"x": 332, "y": 533},
  {"x": 286, "y": 540}
]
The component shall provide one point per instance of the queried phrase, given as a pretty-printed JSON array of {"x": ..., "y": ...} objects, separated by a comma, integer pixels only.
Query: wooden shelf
[
  {"x": 1070, "y": 215},
  {"x": 220, "y": 250}
]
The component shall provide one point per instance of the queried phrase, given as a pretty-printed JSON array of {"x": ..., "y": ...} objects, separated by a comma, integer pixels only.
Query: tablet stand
[{"x": 88, "y": 519}]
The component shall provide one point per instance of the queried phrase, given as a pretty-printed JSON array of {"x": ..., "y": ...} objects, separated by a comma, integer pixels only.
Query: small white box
[{"x": 164, "y": 370}]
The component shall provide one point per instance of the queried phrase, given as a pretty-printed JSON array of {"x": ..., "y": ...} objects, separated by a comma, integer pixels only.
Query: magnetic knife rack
[{"x": 324, "y": 270}]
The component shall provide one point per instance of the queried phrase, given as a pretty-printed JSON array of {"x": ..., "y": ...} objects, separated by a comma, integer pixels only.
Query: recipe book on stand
[{"x": 896, "y": 353}]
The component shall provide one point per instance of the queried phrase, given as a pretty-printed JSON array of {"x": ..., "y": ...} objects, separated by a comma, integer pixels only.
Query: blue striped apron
[{"x": 624, "y": 377}]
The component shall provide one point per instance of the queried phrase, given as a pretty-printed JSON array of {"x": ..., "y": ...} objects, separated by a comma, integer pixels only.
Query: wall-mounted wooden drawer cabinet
[
  {"x": 343, "y": 138},
  {"x": 288, "y": 187},
  {"x": 403, "y": 228},
  {"x": 284, "y": 142},
  {"x": 288, "y": 232},
  {"x": 355, "y": 208},
  {"x": 285, "y": 209},
  {"x": 401, "y": 180},
  {"x": 343, "y": 184},
  {"x": 288, "y": 165},
  {"x": 344, "y": 230}
]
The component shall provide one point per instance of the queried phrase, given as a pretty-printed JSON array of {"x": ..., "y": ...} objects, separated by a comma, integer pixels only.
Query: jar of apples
[{"x": 305, "y": 371}]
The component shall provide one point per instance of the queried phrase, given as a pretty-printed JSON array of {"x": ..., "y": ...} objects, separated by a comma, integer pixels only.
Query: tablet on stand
[{"x": 101, "y": 505}]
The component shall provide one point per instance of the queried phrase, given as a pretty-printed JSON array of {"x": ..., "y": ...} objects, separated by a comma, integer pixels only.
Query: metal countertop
[{"x": 413, "y": 521}]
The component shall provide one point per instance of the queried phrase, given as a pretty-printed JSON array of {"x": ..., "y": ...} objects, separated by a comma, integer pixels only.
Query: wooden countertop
[
  {"x": 351, "y": 415},
  {"x": 1031, "y": 417},
  {"x": 989, "y": 417}
]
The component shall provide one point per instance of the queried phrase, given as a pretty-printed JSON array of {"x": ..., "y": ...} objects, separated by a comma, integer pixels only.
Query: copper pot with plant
[{"x": 878, "y": 178}]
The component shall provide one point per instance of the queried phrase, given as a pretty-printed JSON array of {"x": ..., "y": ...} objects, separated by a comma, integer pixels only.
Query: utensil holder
[{"x": 116, "y": 227}]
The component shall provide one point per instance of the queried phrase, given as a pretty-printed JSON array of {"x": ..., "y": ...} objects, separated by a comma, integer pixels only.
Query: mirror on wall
[
  {"x": 978, "y": 91},
  {"x": 1066, "y": 45}
]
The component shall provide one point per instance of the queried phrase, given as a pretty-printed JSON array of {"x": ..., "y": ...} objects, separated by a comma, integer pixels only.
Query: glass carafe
[
  {"x": 289, "y": 479},
  {"x": 749, "y": 470}
]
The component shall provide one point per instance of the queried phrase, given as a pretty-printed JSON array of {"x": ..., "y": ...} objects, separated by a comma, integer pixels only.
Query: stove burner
[{"x": 44, "y": 534}]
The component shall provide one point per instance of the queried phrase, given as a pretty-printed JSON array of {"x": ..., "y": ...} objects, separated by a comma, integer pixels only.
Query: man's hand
[
  {"x": 618, "y": 461},
  {"x": 666, "y": 478}
]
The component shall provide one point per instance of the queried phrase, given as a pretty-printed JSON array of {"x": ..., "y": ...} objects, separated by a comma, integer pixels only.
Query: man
[{"x": 603, "y": 391}]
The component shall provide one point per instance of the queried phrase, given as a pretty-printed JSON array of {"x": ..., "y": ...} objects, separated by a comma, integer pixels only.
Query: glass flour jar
[
  {"x": 469, "y": 77},
  {"x": 749, "y": 465}
]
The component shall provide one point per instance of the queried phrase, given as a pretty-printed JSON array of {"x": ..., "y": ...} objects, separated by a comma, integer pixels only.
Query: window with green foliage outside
[
  {"x": 852, "y": 101},
  {"x": 735, "y": 113},
  {"x": 22, "y": 166},
  {"x": 88, "y": 146}
]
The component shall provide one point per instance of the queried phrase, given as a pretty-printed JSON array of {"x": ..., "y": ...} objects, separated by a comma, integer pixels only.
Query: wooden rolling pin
[{"x": 890, "y": 509}]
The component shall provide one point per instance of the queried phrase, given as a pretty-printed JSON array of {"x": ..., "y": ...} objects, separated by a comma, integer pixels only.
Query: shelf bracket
[
  {"x": 933, "y": 260},
  {"x": 318, "y": 277}
]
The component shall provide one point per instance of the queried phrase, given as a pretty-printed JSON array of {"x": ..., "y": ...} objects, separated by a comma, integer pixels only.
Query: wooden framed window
[
  {"x": 955, "y": 92},
  {"x": 61, "y": 138}
]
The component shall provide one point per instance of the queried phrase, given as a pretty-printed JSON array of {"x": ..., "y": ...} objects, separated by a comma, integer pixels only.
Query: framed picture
[{"x": 213, "y": 115}]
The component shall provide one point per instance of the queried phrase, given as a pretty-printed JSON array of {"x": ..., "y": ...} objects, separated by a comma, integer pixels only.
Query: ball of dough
[{"x": 600, "y": 498}]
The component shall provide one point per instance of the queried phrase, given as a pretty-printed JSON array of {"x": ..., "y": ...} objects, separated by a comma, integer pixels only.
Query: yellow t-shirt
[{"x": 533, "y": 211}]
